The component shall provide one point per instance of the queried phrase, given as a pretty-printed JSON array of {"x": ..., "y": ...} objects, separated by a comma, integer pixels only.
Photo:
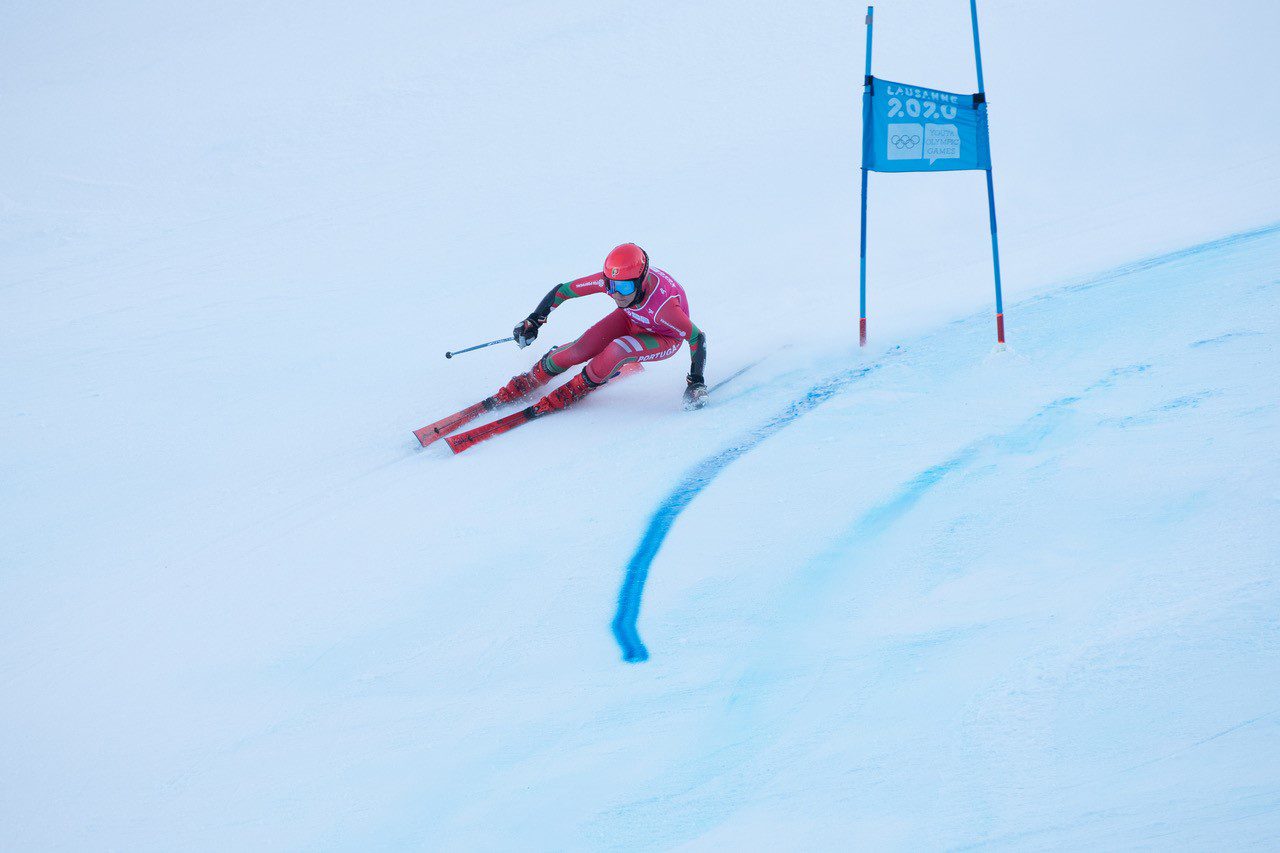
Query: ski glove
[
  {"x": 527, "y": 332},
  {"x": 695, "y": 393}
]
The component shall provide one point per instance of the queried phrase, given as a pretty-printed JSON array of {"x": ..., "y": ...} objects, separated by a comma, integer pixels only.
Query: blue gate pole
[
  {"x": 866, "y": 123},
  {"x": 991, "y": 192},
  {"x": 995, "y": 257}
]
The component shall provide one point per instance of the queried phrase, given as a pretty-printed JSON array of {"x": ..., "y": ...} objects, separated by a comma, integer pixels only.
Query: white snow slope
[{"x": 922, "y": 596}]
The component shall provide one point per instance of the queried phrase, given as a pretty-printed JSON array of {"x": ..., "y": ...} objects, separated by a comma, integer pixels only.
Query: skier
[{"x": 650, "y": 323}]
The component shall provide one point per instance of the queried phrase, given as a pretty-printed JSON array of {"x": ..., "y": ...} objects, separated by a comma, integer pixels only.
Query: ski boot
[
  {"x": 523, "y": 385},
  {"x": 566, "y": 395}
]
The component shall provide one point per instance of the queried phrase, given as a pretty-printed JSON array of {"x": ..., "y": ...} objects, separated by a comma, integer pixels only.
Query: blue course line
[
  {"x": 694, "y": 481},
  {"x": 880, "y": 518},
  {"x": 702, "y": 474},
  {"x": 1023, "y": 438}
]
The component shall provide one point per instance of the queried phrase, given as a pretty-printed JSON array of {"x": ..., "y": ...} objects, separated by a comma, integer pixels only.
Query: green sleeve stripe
[{"x": 564, "y": 292}]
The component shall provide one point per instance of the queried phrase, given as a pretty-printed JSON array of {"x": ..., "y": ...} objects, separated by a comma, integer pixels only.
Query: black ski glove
[
  {"x": 527, "y": 332},
  {"x": 695, "y": 393}
]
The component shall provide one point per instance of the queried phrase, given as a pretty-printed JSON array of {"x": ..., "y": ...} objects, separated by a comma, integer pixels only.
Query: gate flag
[
  {"x": 908, "y": 128},
  {"x": 914, "y": 129}
]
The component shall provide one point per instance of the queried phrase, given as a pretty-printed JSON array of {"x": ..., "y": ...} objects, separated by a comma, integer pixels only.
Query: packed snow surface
[
  {"x": 1027, "y": 597},
  {"x": 925, "y": 595}
]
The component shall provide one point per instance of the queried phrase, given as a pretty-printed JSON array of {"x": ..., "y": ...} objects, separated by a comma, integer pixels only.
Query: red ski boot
[
  {"x": 523, "y": 385},
  {"x": 564, "y": 396}
]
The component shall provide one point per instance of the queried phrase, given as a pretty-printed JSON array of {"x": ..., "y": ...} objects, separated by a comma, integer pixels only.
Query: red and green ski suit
[{"x": 650, "y": 329}]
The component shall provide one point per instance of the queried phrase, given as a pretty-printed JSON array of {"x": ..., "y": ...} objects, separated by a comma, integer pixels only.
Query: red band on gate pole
[
  {"x": 1000, "y": 328},
  {"x": 862, "y": 332}
]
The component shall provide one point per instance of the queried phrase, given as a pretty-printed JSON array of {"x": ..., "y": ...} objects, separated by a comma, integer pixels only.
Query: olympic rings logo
[{"x": 903, "y": 141}]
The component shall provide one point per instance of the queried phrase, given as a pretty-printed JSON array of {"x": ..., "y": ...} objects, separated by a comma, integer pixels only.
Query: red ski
[
  {"x": 463, "y": 440},
  {"x": 444, "y": 426}
]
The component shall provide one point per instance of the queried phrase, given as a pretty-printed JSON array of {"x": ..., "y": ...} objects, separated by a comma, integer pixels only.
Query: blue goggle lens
[{"x": 623, "y": 286}]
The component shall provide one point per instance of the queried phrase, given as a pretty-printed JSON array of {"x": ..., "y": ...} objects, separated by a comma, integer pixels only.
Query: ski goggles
[{"x": 622, "y": 286}]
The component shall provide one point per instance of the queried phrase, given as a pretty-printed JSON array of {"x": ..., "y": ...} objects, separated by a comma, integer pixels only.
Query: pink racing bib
[{"x": 664, "y": 291}]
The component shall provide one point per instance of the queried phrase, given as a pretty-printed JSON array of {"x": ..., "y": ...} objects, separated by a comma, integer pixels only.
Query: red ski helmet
[{"x": 627, "y": 261}]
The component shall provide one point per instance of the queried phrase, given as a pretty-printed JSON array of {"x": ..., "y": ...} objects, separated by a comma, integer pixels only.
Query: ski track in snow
[
  {"x": 1036, "y": 428},
  {"x": 769, "y": 688}
]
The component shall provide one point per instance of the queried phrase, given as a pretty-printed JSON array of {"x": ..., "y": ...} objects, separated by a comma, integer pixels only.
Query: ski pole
[{"x": 477, "y": 346}]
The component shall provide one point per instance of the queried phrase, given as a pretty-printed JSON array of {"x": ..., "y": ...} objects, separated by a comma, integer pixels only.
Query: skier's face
[{"x": 624, "y": 293}]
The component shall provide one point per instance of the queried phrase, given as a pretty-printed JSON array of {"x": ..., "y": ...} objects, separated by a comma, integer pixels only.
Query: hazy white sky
[{"x": 534, "y": 135}]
